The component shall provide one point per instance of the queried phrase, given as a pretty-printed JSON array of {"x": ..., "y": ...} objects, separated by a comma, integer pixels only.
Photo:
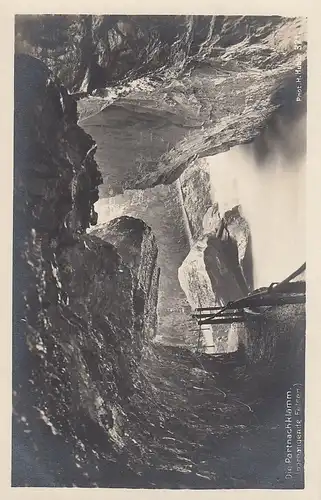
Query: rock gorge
[{"x": 98, "y": 399}]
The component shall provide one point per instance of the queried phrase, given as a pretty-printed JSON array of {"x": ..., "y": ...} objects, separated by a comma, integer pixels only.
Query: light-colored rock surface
[{"x": 222, "y": 101}]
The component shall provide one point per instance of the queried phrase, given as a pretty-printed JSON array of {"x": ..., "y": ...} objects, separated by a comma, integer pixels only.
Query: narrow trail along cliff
[{"x": 117, "y": 234}]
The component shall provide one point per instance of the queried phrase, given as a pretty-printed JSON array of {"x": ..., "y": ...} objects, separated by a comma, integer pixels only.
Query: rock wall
[
  {"x": 94, "y": 403},
  {"x": 215, "y": 102},
  {"x": 170, "y": 89},
  {"x": 137, "y": 246},
  {"x": 96, "y": 50},
  {"x": 218, "y": 268},
  {"x": 161, "y": 209},
  {"x": 196, "y": 196},
  {"x": 82, "y": 310}
]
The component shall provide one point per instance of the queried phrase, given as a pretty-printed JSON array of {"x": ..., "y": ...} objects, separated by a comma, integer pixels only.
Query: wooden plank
[
  {"x": 224, "y": 313},
  {"x": 220, "y": 321}
]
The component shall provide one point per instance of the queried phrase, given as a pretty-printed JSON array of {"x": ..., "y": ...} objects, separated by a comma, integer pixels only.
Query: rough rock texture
[
  {"x": 218, "y": 100},
  {"x": 96, "y": 50},
  {"x": 137, "y": 247},
  {"x": 82, "y": 310},
  {"x": 196, "y": 196},
  {"x": 161, "y": 209},
  {"x": 94, "y": 404},
  {"x": 178, "y": 86},
  {"x": 68, "y": 170},
  {"x": 180, "y": 215},
  {"x": 203, "y": 214},
  {"x": 218, "y": 267}
]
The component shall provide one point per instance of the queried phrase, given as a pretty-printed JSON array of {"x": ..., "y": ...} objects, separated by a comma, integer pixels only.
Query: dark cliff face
[
  {"x": 52, "y": 153},
  {"x": 196, "y": 196},
  {"x": 95, "y": 51},
  {"x": 82, "y": 311},
  {"x": 105, "y": 49}
]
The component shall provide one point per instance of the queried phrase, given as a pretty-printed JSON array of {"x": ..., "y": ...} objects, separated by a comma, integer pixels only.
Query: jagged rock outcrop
[
  {"x": 82, "y": 311},
  {"x": 195, "y": 187},
  {"x": 96, "y": 50},
  {"x": 207, "y": 221},
  {"x": 203, "y": 83},
  {"x": 94, "y": 404},
  {"x": 160, "y": 208},
  {"x": 70, "y": 171},
  {"x": 163, "y": 208},
  {"x": 137, "y": 246},
  {"x": 218, "y": 268},
  {"x": 223, "y": 99}
]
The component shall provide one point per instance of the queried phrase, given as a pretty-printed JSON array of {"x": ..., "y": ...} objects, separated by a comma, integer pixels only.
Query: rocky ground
[{"x": 98, "y": 401}]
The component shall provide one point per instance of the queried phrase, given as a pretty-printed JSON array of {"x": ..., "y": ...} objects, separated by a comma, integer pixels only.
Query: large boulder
[
  {"x": 137, "y": 246},
  {"x": 218, "y": 269}
]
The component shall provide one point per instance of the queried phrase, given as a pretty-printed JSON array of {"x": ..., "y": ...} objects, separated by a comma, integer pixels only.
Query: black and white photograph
[{"x": 159, "y": 252}]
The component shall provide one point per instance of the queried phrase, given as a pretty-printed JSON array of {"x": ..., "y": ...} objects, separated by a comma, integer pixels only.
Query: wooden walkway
[{"x": 277, "y": 294}]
